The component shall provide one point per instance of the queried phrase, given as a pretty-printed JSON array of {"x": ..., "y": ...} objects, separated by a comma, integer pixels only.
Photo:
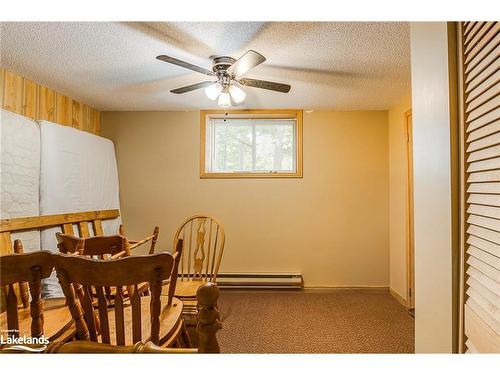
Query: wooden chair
[
  {"x": 50, "y": 318},
  {"x": 207, "y": 328},
  {"x": 151, "y": 318},
  {"x": 101, "y": 247},
  {"x": 203, "y": 238},
  {"x": 65, "y": 222}
]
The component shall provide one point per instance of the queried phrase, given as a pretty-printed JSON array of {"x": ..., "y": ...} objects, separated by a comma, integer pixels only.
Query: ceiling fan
[{"x": 228, "y": 72}]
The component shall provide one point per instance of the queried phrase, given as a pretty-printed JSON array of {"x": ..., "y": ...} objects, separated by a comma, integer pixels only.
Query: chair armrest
[
  {"x": 118, "y": 255},
  {"x": 134, "y": 244},
  {"x": 152, "y": 238}
]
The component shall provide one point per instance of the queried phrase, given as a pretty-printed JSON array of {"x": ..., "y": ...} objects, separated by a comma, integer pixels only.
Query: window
[{"x": 251, "y": 144}]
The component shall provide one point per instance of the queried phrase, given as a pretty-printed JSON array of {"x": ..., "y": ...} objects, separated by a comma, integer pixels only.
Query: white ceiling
[{"x": 112, "y": 66}]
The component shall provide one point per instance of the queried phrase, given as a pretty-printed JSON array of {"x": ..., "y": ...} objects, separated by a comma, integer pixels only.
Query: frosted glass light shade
[
  {"x": 213, "y": 91},
  {"x": 224, "y": 100},
  {"x": 237, "y": 94}
]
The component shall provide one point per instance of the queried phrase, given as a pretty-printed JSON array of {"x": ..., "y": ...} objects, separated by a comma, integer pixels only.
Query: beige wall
[
  {"x": 398, "y": 195},
  {"x": 331, "y": 225},
  {"x": 434, "y": 187}
]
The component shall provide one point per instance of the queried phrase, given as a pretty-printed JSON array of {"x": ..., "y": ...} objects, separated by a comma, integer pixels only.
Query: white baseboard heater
[{"x": 277, "y": 280}]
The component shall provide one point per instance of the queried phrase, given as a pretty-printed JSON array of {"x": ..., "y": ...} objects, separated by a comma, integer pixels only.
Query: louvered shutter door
[{"x": 480, "y": 47}]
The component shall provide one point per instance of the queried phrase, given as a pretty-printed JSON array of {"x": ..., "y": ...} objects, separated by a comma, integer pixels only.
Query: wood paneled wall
[{"x": 28, "y": 98}]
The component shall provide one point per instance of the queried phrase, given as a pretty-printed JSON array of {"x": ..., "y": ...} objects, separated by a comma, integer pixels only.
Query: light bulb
[
  {"x": 213, "y": 91},
  {"x": 224, "y": 100},
  {"x": 237, "y": 94}
]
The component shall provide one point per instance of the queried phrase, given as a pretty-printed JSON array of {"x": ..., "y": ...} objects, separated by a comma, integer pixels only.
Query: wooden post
[
  {"x": 74, "y": 306},
  {"x": 208, "y": 318},
  {"x": 175, "y": 270},
  {"x": 12, "y": 315},
  {"x": 126, "y": 249},
  {"x": 155, "y": 306},
  {"x": 23, "y": 286},
  {"x": 36, "y": 305},
  {"x": 156, "y": 231}
]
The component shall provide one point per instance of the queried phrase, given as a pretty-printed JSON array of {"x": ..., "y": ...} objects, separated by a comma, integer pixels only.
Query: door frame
[{"x": 410, "y": 236}]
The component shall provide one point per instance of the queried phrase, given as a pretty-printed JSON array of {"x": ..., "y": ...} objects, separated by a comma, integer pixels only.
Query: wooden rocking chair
[
  {"x": 207, "y": 327},
  {"x": 151, "y": 318},
  {"x": 102, "y": 247}
]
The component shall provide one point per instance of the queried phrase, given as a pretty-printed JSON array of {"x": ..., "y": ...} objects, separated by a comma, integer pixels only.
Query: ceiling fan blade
[
  {"x": 246, "y": 62},
  {"x": 195, "y": 86},
  {"x": 267, "y": 85},
  {"x": 184, "y": 64}
]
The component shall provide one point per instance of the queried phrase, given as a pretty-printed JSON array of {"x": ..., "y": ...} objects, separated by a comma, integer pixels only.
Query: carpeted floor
[{"x": 297, "y": 322}]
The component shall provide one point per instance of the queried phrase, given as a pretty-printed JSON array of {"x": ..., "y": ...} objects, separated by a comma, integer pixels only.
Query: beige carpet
[{"x": 297, "y": 322}]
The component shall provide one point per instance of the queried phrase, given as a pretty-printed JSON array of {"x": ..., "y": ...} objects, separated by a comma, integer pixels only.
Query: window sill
[{"x": 249, "y": 175}]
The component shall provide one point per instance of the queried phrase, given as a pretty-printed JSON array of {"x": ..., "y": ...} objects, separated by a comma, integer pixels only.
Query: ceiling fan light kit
[
  {"x": 233, "y": 92},
  {"x": 213, "y": 91},
  {"x": 224, "y": 100},
  {"x": 228, "y": 72},
  {"x": 237, "y": 94}
]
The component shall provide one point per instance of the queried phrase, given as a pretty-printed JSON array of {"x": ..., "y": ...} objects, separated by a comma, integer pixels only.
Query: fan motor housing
[{"x": 222, "y": 63}]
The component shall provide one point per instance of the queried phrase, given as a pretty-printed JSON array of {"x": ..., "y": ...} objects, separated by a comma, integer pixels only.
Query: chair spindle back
[
  {"x": 95, "y": 275},
  {"x": 203, "y": 245},
  {"x": 28, "y": 268}
]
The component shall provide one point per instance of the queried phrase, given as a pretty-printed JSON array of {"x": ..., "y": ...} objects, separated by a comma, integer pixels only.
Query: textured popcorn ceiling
[{"x": 112, "y": 66}]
